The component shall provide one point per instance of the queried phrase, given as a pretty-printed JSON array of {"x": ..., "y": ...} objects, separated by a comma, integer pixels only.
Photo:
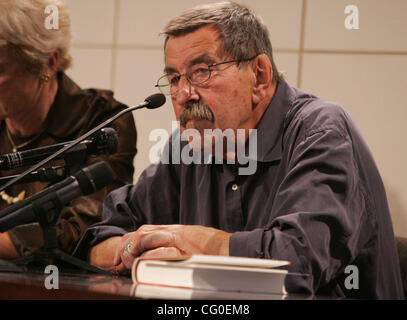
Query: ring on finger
[{"x": 128, "y": 246}]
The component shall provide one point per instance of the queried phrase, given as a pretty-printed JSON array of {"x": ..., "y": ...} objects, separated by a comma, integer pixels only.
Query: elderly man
[
  {"x": 39, "y": 106},
  {"x": 315, "y": 199}
]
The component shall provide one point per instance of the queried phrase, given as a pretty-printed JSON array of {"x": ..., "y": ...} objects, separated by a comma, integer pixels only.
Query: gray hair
[
  {"x": 242, "y": 32},
  {"x": 23, "y": 30}
]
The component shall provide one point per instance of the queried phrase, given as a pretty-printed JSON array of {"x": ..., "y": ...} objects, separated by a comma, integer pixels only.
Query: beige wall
[{"x": 116, "y": 45}]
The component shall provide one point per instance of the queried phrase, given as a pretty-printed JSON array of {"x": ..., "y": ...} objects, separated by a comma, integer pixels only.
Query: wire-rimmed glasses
[{"x": 168, "y": 84}]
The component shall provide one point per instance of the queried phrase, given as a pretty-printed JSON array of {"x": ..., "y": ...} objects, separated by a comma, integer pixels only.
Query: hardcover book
[{"x": 211, "y": 273}]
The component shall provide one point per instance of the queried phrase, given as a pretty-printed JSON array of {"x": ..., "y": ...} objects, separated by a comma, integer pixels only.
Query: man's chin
[
  {"x": 199, "y": 124},
  {"x": 196, "y": 137}
]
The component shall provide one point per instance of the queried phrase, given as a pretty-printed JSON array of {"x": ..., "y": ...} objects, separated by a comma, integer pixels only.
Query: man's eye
[
  {"x": 201, "y": 71},
  {"x": 173, "y": 79},
  {"x": 200, "y": 75}
]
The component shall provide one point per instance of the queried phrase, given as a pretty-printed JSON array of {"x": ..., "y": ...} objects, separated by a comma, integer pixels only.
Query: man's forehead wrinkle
[
  {"x": 203, "y": 49},
  {"x": 202, "y": 58}
]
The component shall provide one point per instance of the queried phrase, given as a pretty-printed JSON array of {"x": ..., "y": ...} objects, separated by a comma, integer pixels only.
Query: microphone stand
[
  {"x": 50, "y": 254},
  {"x": 48, "y": 218}
]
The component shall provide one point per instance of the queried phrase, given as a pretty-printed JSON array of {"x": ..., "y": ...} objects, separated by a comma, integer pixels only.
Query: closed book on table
[
  {"x": 147, "y": 291},
  {"x": 215, "y": 273}
]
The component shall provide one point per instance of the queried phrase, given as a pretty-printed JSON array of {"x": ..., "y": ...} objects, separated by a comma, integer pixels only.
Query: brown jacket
[{"x": 73, "y": 113}]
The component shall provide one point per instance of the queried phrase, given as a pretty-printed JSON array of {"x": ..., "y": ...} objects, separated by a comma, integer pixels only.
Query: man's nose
[{"x": 186, "y": 92}]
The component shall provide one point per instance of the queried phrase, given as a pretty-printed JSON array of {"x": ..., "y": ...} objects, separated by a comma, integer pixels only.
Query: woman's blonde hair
[{"x": 24, "y": 30}]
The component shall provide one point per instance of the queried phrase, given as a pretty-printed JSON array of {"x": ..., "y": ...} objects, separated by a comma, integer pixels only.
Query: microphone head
[
  {"x": 112, "y": 140},
  {"x": 94, "y": 177},
  {"x": 106, "y": 141},
  {"x": 155, "y": 101}
]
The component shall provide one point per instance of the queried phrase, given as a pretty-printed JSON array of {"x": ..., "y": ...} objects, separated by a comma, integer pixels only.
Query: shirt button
[{"x": 234, "y": 187}]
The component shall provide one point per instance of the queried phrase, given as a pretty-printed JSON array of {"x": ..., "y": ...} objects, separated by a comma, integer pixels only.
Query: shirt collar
[{"x": 271, "y": 126}]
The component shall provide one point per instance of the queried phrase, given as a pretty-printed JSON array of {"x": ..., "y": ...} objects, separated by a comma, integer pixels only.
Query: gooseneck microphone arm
[{"x": 151, "y": 102}]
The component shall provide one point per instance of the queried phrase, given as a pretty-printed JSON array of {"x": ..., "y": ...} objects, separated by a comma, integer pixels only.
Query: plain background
[{"x": 116, "y": 45}]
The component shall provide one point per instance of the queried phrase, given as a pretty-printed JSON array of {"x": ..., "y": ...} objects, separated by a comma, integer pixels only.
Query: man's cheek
[{"x": 177, "y": 111}]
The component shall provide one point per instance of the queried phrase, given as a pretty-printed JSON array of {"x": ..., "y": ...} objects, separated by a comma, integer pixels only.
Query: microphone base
[
  {"x": 9, "y": 266},
  {"x": 62, "y": 260},
  {"x": 46, "y": 212},
  {"x": 50, "y": 254}
]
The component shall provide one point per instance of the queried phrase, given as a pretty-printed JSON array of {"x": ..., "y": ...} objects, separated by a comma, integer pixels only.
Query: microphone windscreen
[
  {"x": 94, "y": 177},
  {"x": 107, "y": 140},
  {"x": 155, "y": 100}
]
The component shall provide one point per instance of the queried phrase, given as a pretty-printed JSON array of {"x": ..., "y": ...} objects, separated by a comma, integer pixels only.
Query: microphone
[
  {"x": 84, "y": 182},
  {"x": 104, "y": 141},
  {"x": 151, "y": 102},
  {"x": 155, "y": 101}
]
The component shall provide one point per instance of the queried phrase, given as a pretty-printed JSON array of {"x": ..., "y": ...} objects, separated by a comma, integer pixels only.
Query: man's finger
[
  {"x": 154, "y": 239},
  {"x": 120, "y": 248},
  {"x": 163, "y": 253},
  {"x": 120, "y": 269},
  {"x": 128, "y": 254}
]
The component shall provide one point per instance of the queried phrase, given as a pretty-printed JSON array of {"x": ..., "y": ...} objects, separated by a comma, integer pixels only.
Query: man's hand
[{"x": 169, "y": 241}]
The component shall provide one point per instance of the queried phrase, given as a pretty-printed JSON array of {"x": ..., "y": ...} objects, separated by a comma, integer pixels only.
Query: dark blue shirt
[{"x": 316, "y": 199}]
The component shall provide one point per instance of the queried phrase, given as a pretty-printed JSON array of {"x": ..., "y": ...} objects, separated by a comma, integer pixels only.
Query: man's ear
[{"x": 263, "y": 73}]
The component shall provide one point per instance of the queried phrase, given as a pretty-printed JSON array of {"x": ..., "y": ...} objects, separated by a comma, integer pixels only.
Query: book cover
[
  {"x": 146, "y": 291},
  {"x": 215, "y": 273}
]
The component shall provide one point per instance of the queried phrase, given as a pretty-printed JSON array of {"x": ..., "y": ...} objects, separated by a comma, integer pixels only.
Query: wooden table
[{"x": 31, "y": 285}]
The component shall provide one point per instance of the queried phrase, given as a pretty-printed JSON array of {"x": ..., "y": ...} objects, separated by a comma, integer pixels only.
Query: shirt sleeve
[{"x": 317, "y": 213}]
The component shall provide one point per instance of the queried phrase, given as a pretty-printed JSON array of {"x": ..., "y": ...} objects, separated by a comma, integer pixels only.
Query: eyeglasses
[{"x": 168, "y": 84}]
